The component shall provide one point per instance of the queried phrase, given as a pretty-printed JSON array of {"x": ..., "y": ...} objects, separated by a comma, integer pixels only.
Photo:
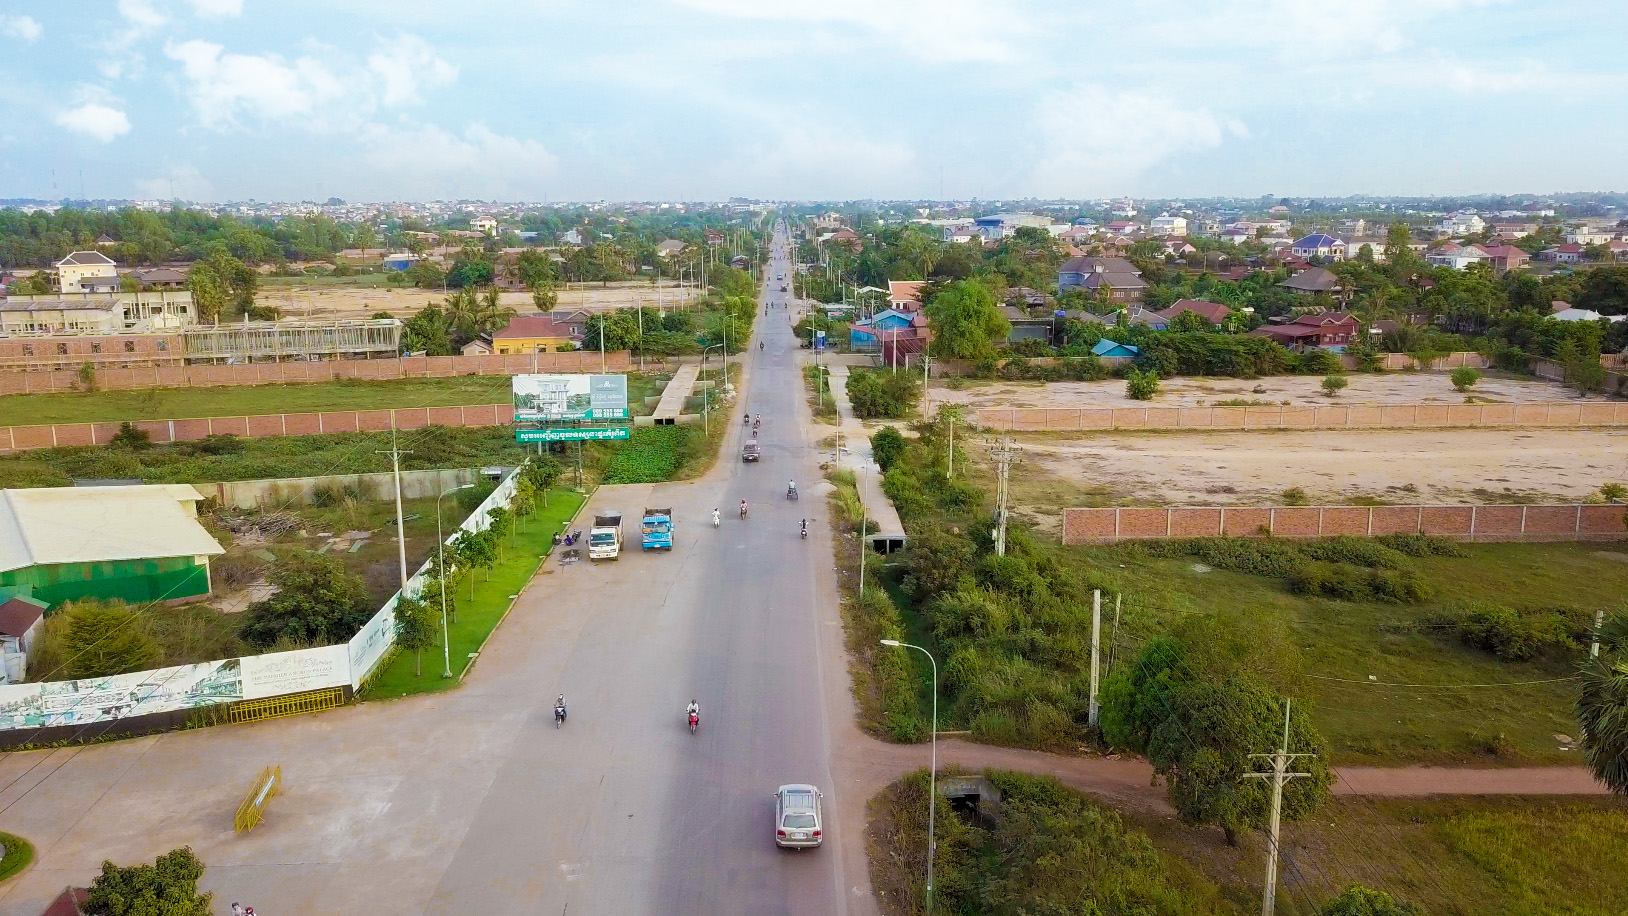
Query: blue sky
[{"x": 575, "y": 100}]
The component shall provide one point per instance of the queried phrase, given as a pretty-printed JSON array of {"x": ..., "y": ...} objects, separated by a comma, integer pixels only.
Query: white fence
[{"x": 167, "y": 690}]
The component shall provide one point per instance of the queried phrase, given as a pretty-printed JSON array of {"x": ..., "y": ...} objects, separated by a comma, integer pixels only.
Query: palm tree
[
  {"x": 490, "y": 314},
  {"x": 1602, "y": 705}
]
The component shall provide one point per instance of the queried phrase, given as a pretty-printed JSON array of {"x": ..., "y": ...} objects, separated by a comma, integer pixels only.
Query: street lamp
[
  {"x": 932, "y": 777},
  {"x": 706, "y": 400},
  {"x": 446, "y": 641}
]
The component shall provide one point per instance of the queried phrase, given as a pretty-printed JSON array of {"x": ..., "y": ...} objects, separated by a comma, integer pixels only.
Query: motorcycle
[
  {"x": 791, "y": 493},
  {"x": 695, "y": 722},
  {"x": 805, "y": 531},
  {"x": 743, "y": 512},
  {"x": 559, "y": 716},
  {"x": 715, "y": 518}
]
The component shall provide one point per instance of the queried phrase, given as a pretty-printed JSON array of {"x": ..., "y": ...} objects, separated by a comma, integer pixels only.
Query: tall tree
[
  {"x": 1602, "y": 706},
  {"x": 317, "y": 602},
  {"x": 966, "y": 321},
  {"x": 168, "y": 887}
]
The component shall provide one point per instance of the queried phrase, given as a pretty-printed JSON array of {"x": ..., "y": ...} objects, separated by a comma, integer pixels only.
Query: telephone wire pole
[{"x": 1281, "y": 759}]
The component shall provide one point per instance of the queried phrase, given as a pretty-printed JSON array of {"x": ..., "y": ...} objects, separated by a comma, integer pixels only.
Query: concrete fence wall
[
  {"x": 298, "y": 491},
  {"x": 1330, "y": 416},
  {"x": 24, "y": 438},
  {"x": 315, "y": 371},
  {"x": 1615, "y": 376},
  {"x": 1574, "y": 522}
]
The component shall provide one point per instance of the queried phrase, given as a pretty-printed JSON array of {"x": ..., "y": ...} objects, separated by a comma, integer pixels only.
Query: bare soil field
[
  {"x": 356, "y": 302},
  {"x": 1295, "y": 390},
  {"x": 1460, "y": 467}
]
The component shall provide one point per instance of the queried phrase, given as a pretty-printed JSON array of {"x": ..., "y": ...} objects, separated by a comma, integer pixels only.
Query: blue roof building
[{"x": 1111, "y": 350}]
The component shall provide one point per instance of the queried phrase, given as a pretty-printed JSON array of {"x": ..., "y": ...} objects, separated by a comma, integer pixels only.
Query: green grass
[
  {"x": 478, "y": 618},
  {"x": 264, "y": 458},
  {"x": 19, "y": 853},
  {"x": 1370, "y": 723},
  {"x": 355, "y": 281},
  {"x": 1452, "y": 857},
  {"x": 249, "y": 400}
]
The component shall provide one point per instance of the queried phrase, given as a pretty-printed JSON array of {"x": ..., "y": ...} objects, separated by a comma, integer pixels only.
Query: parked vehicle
[
  {"x": 797, "y": 821},
  {"x": 605, "y": 537},
  {"x": 657, "y": 529},
  {"x": 751, "y": 451}
]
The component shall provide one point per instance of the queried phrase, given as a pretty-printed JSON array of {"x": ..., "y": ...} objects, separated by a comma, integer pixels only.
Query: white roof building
[{"x": 51, "y": 526}]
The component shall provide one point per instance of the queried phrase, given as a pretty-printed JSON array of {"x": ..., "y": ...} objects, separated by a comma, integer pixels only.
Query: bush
[
  {"x": 219, "y": 444},
  {"x": 1317, "y": 362},
  {"x": 1510, "y": 634},
  {"x": 1140, "y": 385},
  {"x": 1464, "y": 377},
  {"x": 99, "y": 639},
  {"x": 317, "y": 603},
  {"x": 1357, "y": 900},
  {"x": 1173, "y": 353},
  {"x": 1295, "y": 496},
  {"x": 168, "y": 887},
  {"x": 886, "y": 444},
  {"x": 1333, "y": 384},
  {"x": 1347, "y": 582},
  {"x": 878, "y": 394},
  {"x": 131, "y": 437},
  {"x": 1421, "y": 545}
]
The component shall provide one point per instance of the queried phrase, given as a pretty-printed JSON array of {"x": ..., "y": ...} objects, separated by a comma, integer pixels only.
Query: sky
[{"x": 215, "y": 100}]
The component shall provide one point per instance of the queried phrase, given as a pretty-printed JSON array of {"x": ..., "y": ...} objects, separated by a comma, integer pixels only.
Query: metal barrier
[
  {"x": 252, "y": 808},
  {"x": 291, "y": 705}
]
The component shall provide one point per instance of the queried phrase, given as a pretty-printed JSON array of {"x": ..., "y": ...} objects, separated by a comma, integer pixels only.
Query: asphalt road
[{"x": 622, "y": 811}]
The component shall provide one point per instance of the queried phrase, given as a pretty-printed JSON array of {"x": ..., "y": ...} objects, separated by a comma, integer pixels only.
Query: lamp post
[
  {"x": 932, "y": 774},
  {"x": 706, "y": 400},
  {"x": 441, "y": 551}
]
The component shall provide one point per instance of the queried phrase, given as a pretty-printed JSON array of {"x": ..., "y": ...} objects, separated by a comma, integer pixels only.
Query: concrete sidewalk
[{"x": 855, "y": 455}]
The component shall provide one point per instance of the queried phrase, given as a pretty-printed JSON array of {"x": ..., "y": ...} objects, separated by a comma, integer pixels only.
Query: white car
[{"x": 797, "y": 820}]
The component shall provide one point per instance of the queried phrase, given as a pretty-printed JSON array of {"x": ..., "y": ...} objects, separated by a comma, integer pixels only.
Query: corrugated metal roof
[{"x": 50, "y": 525}]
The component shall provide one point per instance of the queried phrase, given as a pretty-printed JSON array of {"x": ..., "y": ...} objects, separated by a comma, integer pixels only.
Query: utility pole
[
  {"x": 864, "y": 485},
  {"x": 950, "y": 419},
  {"x": 1594, "y": 647},
  {"x": 1005, "y": 454},
  {"x": 401, "y": 525},
  {"x": 1279, "y": 775},
  {"x": 1096, "y": 649}
]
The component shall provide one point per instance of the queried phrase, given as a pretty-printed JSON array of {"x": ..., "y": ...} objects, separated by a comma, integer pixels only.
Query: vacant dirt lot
[
  {"x": 350, "y": 302},
  {"x": 1254, "y": 468},
  {"x": 1297, "y": 390}
]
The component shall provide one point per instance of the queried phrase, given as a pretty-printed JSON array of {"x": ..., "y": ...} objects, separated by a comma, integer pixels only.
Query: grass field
[
  {"x": 237, "y": 401},
  {"x": 1369, "y": 722},
  {"x": 1450, "y": 856},
  {"x": 476, "y": 619}
]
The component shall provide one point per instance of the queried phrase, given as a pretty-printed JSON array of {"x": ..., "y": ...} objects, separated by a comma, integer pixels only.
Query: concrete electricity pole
[
  {"x": 401, "y": 525},
  {"x": 1279, "y": 775},
  {"x": 1095, "y": 710},
  {"x": 1005, "y": 454}
]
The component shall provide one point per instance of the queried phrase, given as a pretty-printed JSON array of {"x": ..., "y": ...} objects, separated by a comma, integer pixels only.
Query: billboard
[
  {"x": 563, "y": 398},
  {"x": 573, "y": 434}
]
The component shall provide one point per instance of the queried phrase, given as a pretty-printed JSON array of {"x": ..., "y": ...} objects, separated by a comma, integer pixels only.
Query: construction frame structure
[{"x": 275, "y": 341}]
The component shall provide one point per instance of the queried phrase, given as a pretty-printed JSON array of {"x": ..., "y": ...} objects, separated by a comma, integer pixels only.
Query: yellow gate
[
  {"x": 253, "y": 806},
  {"x": 291, "y": 705}
]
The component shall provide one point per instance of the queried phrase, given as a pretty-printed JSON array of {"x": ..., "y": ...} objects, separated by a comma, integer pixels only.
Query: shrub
[
  {"x": 219, "y": 444},
  {"x": 1318, "y": 362},
  {"x": 1510, "y": 634},
  {"x": 880, "y": 394},
  {"x": 1294, "y": 496},
  {"x": 1333, "y": 384},
  {"x": 886, "y": 444},
  {"x": 1613, "y": 492},
  {"x": 1351, "y": 549},
  {"x": 131, "y": 437},
  {"x": 317, "y": 602},
  {"x": 1421, "y": 545},
  {"x": 1140, "y": 385},
  {"x": 168, "y": 887},
  {"x": 100, "y": 639},
  {"x": 1357, "y": 900},
  {"x": 1464, "y": 377}
]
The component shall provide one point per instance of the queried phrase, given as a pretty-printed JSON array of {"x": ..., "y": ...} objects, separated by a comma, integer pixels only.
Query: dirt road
[{"x": 352, "y": 302}]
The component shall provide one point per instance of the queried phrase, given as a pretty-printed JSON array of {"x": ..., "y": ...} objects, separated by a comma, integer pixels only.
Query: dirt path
[{"x": 1298, "y": 390}]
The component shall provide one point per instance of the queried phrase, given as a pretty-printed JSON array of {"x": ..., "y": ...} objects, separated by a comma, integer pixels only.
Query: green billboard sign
[{"x": 572, "y": 435}]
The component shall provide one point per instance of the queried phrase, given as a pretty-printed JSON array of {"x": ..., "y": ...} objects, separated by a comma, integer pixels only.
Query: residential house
[
  {"x": 866, "y": 333},
  {"x": 80, "y": 265},
  {"x": 99, "y": 284},
  {"x": 1457, "y": 256},
  {"x": 1234, "y": 274},
  {"x": 1025, "y": 327},
  {"x": 1115, "y": 280},
  {"x": 1124, "y": 228},
  {"x": 1353, "y": 228},
  {"x": 401, "y": 260},
  {"x": 480, "y": 346},
  {"x": 1329, "y": 330},
  {"x": 133, "y": 543},
  {"x": 714, "y": 238},
  {"x": 1236, "y": 236},
  {"x": 1588, "y": 235},
  {"x": 668, "y": 248},
  {"x": 541, "y": 333},
  {"x": 962, "y": 234},
  {"x": 1077, "y": 235},
  {"x": 1618, "y": 249},
  {"x": 1505, "y": 258},
  {"x": 1573, "y": 313},
  {"x": 159, "y": 277},
  {"x": 1318, "y": 245},
  {"x": 106, "y": 241},
  {"x": 904, "y": 295},
  {"x": 1214, "y": 312},
  {"x": 1107, "y": 349},
  {"x": 485, "y": 225},
  {"x": 845, "y": 238},
  {"x": 1313, "y": 281},
  {"x": 1460, "y": 224},
  {"x": 20, "y": 618},
  {"x": 1168, "y": 225},
  {"x": 1178, "y": 247},
  {"x": 1376, "y": 247},
  {"x": 1569, "y": 253}
]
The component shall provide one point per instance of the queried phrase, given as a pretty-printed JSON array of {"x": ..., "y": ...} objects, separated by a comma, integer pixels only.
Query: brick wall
[
  {"x": 1330, "y": 416},
  {"x": 113, "y": 379},
  {"x": 1574, "y": 522},
  {"x": 24, "y": 438}
]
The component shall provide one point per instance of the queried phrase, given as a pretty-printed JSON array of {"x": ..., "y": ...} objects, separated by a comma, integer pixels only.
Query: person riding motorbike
[
  {"x": 716, "y": 518},
  {"x": 693, "y": 712},
  {"x": 743, "y": 508},
  {"x": 760, "y": 345},
  {"x": 559, "y": 709},
  {"x": 805, "y": 528},
  {"x": 791, "y": 489}
]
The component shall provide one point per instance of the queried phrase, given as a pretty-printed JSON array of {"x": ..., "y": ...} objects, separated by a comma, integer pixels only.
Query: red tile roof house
[
  {"x": 1570, "y": 253},
  {"x": 904, "y": 295},
  {"x": 1214, "y": 312},
  {"x": 1330, "y": 330}
]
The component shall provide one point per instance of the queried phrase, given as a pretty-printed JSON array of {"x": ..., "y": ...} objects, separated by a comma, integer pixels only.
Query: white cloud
[
  {"x": 217, "y": 9},
  {"x": 479, "y": 162},
  {"x": 181, "y": 182},
  {"x": 23, "y": 27},
  {"x": 943, "y": 31},
  {"x": 1095, "y": 140},
  {"x": 100, "y": 122},
  {"x": 143, "y": 16},
  {"x": 223, "y": 85},
  {"x": 405, "y": 65}
]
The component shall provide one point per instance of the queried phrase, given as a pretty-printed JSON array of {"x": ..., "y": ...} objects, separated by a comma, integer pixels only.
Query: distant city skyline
[{"x": 216, "y": 100}]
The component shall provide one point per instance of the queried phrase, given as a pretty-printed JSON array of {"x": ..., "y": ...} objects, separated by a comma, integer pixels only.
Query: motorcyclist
[
  {"x": 805, "y": 527},
  {"x": 716, "y": 518},
  {"x": 694, "y": 709},
  {"x": 791, "y": 488},
  {"x": 743, "y": 508},
  {"x": 760, "y": 345},
  {"x": 559, "y": 707}
]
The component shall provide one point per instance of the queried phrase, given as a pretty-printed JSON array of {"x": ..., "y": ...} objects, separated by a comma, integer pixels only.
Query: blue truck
[{"x": 657, "y": 529}]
